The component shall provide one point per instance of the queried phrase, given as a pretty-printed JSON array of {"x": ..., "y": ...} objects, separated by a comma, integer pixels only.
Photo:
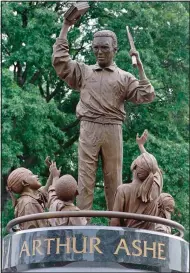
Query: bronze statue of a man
[{"x": 103, "y": 88}]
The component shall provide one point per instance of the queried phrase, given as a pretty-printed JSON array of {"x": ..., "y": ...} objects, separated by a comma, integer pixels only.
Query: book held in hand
[{"x": 76, "y": 11}]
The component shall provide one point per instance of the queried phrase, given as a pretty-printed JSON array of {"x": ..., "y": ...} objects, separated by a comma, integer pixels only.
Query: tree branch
[
  {"x": 24, "y": 75},
  {"x": 6, "y": 50},
  {"x": 47, "y": 89},
  {"x": 41, "y": 90},
  {"x": 19, "y": 74},
  {"x": 35, "y": 77},
  {"x": 14, "y": 72},
  {"x": 78, "y": 50},
  {"x": 24, "y": 18},
  {"x": 70, "y": 141},
  {"x": 53, "y": 93},
  {"x": 73, "y": 124}
]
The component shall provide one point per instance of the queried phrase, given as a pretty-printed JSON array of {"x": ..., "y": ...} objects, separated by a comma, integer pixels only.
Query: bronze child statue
[
  {"x": 166, "y": 205},
  {"x": 33, "y": 196},
  {"x": 140, "y": 196},
  {"x": 103, "y": 88},
  {"x": 61, "y": 197}
]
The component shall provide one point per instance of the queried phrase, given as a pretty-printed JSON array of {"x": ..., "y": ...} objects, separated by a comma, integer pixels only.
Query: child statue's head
[
  {"x": 143, "y": 165},
  {"x": 166, "y": 205},
  {"x": 66, "y": 188},
  {"x": 144, "y": 168},
  {"x": 22, "y": 178}
]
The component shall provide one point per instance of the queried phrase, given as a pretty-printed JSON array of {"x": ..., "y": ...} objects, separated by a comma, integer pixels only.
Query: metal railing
[{"x": 92, "y": 213}]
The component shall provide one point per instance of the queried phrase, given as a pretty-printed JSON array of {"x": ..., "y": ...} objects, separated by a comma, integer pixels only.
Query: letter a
[
  {"x": 25, "y": 248},
  {"x": 122, "y": 241}
]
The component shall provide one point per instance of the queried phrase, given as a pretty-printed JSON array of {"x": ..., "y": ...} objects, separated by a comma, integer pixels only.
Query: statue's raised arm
[{"x": 142, "y": 140}]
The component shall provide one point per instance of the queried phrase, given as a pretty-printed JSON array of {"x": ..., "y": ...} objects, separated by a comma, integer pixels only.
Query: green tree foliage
[{"x": 38, "y": 110}]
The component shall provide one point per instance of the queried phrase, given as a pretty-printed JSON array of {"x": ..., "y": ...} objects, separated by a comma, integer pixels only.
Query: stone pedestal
[{"x": 94, "y": 249}]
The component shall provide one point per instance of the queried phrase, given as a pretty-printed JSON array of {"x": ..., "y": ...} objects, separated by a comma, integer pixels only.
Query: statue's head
[
  {"x": 20, "y": 179},
  {"x": 166, "y": 205},
  {"x": 104, "y": 47},
  {"x": 66, "y": 188},
  {"x": 145, "y": 168},
  {"x": 143, "y": 165}
]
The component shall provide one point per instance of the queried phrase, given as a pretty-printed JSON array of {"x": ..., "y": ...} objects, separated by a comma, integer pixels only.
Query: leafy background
[{"x": 38, "y": 109}]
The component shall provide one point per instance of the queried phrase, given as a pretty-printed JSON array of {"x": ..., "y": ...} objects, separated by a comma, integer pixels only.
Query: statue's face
[
  {"x": 32, "y": 180},
  {"x": 103, "y": 50}
]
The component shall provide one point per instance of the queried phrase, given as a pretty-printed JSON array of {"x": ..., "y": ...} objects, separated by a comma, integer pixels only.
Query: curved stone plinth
[{"x": 94, "y": 248}]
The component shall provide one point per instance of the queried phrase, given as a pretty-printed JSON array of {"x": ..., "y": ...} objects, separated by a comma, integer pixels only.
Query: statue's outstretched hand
[
  {"x": 54, "y": 171},
  {"x": 142, "y": 139},
  {"x": 48, "y": 162}
]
